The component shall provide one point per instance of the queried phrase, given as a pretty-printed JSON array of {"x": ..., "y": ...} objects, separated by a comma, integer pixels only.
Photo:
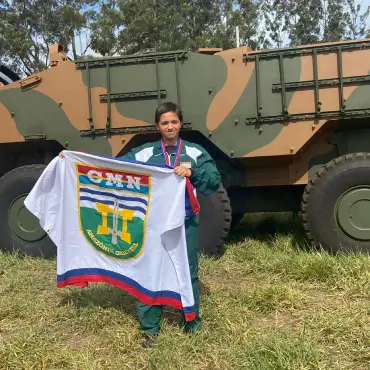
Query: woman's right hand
[{"x": 61, "y": 155}]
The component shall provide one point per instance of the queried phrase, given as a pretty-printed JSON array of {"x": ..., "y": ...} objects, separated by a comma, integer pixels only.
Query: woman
[{"x": 193, "y": 162}]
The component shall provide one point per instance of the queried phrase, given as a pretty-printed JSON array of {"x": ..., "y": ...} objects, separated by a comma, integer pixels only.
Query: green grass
[{"x": 269, "y": 303}]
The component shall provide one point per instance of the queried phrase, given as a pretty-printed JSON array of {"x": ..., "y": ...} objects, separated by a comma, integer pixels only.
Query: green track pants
[{"x": 150, "y": 316}]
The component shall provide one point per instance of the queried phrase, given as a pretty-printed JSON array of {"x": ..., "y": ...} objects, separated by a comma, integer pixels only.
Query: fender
[{"x": 351, "y": 141}]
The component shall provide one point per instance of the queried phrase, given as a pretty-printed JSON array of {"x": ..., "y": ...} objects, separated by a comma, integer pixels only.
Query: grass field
[{"x": 268, "y": 303}]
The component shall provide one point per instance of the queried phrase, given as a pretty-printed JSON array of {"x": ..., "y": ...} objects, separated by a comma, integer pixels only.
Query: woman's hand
[
  {"x": 182, "y": 171},
  {"x": 61, "y": 155}
]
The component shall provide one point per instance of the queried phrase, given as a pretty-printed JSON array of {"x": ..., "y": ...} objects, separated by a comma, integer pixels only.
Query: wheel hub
[
  {"x": 352, "y": 213},
  {"x": 23, "y": 223}
]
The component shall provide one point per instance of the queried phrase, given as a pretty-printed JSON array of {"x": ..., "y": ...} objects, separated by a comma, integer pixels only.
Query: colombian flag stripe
[{"x": 81, "y": 277}]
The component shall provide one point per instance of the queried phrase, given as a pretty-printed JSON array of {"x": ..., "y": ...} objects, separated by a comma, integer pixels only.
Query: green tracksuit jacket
[
  {"x": 206, "y": 180},
  {"x": 205, "y": 177}
]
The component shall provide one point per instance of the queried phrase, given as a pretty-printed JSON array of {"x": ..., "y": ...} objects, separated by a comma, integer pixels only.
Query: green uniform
[{"x": 205, "y": 179}]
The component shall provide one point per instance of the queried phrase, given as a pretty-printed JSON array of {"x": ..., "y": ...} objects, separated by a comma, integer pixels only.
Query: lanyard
[
  {"x": 165, "y": 155},
  {"x": 195, "y": 208}
]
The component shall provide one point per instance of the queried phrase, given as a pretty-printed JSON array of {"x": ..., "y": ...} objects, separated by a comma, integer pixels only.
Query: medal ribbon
[
  {"x": 165, "y": 155},
  {"x": 189, "y": 187}
]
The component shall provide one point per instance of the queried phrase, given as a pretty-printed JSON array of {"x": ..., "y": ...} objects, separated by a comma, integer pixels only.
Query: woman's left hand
[{"x": 182, "y": 171}]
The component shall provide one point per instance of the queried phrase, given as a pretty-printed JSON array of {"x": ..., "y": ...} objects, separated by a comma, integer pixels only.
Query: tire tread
[{"x": 319, "y": 176}]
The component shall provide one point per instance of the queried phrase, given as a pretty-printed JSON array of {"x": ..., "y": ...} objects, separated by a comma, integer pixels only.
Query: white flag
[{"x": 122, "y": 223}]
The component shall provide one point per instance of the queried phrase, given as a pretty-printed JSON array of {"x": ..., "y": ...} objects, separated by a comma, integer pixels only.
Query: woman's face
[{"x": 169, "y": 126}]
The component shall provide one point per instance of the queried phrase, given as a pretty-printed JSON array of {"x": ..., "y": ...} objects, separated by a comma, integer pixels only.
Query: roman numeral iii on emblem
[{"x": 113, "y": 208}]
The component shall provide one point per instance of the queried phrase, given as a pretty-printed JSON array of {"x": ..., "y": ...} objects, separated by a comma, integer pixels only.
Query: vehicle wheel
[
  {"x": 20, "y": 230},
  {"x": 214, "y": 222},
  {"x": 336, "y": 205}
]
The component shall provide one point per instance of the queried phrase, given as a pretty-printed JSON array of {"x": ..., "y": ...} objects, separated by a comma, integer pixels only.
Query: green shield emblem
[{"x": 113, "y": 207}]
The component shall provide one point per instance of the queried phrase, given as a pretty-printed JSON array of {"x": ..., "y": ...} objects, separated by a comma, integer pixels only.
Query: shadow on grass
[
  {"x": 108, "y": 297},
  {"x": 261, "y": 227},
  {"x": 264, "y": 227}
]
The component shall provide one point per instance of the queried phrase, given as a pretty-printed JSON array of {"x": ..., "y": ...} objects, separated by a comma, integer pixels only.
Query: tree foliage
[
  {"x": 110, "y": 27},
  {"x": 29, "y": 27}
]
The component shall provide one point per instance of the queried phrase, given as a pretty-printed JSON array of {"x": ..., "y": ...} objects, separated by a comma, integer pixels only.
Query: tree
[
  {"x": 167, "y": 24},
  {"x": 333, "y": 23},
  {"x": 276, "y": 14},
  {"x": 355, "y": 21},
  {"x": 304, "y": 22},
  {"x": 247, "y": 16},
  {"x": 105, "y": 26},
  {"x": 29, "y": 27}
]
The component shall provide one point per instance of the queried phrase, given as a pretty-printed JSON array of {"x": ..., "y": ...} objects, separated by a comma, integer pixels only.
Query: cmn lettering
[{"x": 114, "y": 179}]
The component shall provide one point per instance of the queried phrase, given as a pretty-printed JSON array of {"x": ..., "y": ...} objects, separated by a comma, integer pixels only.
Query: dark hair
[{"x": 165, "y": 108}]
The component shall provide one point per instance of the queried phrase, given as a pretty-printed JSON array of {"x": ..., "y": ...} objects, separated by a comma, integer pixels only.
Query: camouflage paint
[
  {"x": 123, "y": 79},
  {"x": 238, "y": 75},
  {"x": 74, "y": 97},
  {"x": 242, "y": 138},
  {"x": 362, "y": 67},
  {"x": 358, "y": 96},
  {"x": 51, "y": 120},
  {"x": 195, "y": 90},
  {"x": 218, "y": 92},
  {"x": 295, "y": 134},
  {"x": 197, "y": 76},
  {"x": 9, "y": 132},
  {"x": 71, "y": 95},
  {"x": 298, "y": 170},
  {"x": 290, "y": 140},
  {"x": 117, "y": 142}
]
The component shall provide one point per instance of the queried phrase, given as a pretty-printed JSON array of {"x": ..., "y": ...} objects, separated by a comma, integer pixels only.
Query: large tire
[
  {"x": 336, "y": 205},
  {"x": 19, "y": 229},
  {"x": 214, "y": 223}
]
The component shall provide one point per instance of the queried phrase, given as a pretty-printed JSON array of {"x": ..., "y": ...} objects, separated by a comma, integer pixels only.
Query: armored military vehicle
[{"x": 289, "y": 130}]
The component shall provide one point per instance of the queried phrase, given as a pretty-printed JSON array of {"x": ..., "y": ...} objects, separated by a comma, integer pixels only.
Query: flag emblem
[{"x": 113, "y": 207}]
